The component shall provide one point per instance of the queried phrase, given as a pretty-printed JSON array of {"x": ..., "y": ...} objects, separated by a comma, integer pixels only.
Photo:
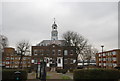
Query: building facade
[
  {"x": 54, "y": 52},
  {"x": 3, "y": 43},
  {"x": 108, "y": 59},
  {"x": 11, "y": 60}
]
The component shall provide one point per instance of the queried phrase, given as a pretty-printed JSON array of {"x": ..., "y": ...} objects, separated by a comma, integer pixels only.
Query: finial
[{"x": 54, "y": 20}]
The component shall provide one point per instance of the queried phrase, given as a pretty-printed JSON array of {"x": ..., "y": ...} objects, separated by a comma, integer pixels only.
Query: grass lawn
[
  {"x": 65, "y": 77},
  {"x": 54, "y": 75},
  {"x": 48, "y": 77}
]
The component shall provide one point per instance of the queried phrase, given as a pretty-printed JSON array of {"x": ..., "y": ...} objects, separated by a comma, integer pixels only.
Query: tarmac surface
[{"x": 49, "y": 80}]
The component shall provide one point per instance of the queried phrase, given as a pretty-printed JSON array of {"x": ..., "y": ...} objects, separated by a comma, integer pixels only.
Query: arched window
[{"x": 59, "y": 60}]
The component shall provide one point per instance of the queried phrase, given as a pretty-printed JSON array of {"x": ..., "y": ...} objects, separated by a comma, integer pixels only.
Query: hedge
[
  {"x": 8, "y": 74},
  {"x": 71, "y": 70},
  {"x": 96, "y": 75},
  {"x": 61, "y": 71}
]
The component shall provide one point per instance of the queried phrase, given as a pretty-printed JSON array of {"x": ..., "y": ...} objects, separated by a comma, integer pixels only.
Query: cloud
[{"x": 97, "y": 21}]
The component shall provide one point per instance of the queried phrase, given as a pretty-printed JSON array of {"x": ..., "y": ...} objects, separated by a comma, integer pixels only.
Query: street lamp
[{"x": 102, "y": 55}]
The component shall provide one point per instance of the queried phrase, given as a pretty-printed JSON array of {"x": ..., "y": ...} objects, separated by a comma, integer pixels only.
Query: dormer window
[{"x": 53, "y": 46}]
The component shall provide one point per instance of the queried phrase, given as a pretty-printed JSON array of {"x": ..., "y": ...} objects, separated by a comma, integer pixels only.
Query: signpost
[
  {"x": 41, "y": 71},
  {"x": 38, "y": 70}
]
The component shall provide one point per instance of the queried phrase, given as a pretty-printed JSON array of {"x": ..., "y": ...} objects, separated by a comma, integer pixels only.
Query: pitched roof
[{"x": 49, "y": 42}]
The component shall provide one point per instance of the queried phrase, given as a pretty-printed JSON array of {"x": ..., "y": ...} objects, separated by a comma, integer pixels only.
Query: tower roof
[{"x": 54, "y": 24}]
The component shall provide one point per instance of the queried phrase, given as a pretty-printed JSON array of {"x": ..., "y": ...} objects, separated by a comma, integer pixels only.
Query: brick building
[
  {"x": 54, "y": 52},
  {"x": 108, "y": 59},
  {"x": 11, "y": 60}
]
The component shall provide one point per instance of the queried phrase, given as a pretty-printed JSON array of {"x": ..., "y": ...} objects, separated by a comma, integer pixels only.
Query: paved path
[
  {"x": 32, "y": 75},
  {"x": 52, "y": 75},
  {"x": 50, "y": 80}
]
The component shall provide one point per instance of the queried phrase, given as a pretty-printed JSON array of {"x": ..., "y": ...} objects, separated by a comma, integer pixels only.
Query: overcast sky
[{"x": 96, "y": 21}]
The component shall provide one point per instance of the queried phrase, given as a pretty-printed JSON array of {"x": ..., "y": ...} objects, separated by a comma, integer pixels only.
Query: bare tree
[
  {"x": 74, "y": 39},
  {"x": 22, "y": 49},
  {"x": 83, "y": 49},
  {"x": 88, "y": 53}
]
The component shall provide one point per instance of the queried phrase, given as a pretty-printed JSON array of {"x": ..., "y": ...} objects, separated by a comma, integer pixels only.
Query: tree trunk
[
  {"x": 20, "y": 64},
  {"x": 88, "y": 62},
  {"x": 83, "y": 63}
]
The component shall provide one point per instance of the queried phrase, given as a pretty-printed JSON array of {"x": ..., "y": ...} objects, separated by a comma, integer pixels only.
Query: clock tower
[{"x": 54, "y": 33}]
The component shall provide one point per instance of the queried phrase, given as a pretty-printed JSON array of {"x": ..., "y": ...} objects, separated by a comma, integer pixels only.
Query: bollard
[{"x": 17, "y": 76}]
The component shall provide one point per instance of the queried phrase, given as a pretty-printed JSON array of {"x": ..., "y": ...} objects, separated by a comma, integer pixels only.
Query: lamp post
[
  {"x": 102, "y": 55},
  {"x": 63, "y": 59}
]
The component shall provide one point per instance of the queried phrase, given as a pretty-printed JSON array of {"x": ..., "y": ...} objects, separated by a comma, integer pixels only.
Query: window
[
  {"x": 65, "y": 52},
  {"x": 59, "y": 52},
  {"x": 24, "y": 62},
  {"x": 35, "y": 54},
  {"x": 53, "y": 52},
  {"x": 99, "y": 59},
  {"x": 104, "y": 54},
  {"x": 24, "y": 58},
  {"x": 28, "y": 58},
  {"x": 71, "y": 52},
  {"x": 12, "y": 62},
  {"x": 109, "y": 59},
  {"x": 47, "y": 60},
  {"x": 114, "y": 53},
  {"x": 12, "y": 58},
  {"x": 7, "y": 66},
  {"x": 17, "y": 62},
  {"x": 114, "y": 64},
  {"x": 99, "y": 55},
  {"x": 35, "y": 61},
  {"x": 104, "y": 64},
  {"x": 104, "y": 59},
  {"x": 114, "y": 58},
  {"x": 47, "y": 52},
  {"x": 35, "y": 51},
  {"x": 7, "y": 58},
  {"x": 65, "y": 61},
  {"x": 74, "y": 61},
  {"x": 24, "y": 66},
  {"x": 16, "y": 66},
  {"x": 17, "y": 58},
  {"x": 99, "y": 64},
  {"x": 28, "y": 65},
  {"x": 32, "y": 61},
  {"x": 71, "y": 61},
  {"x": 53, "y": 46},
  {"x": 41, "y": 51},
  {"x": 110, "y": 54},
  {"x": 7, "y": 62}
]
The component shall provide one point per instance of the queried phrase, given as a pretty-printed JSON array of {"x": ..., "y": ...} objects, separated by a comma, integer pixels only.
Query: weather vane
[{"x": 54, "y": 20}]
